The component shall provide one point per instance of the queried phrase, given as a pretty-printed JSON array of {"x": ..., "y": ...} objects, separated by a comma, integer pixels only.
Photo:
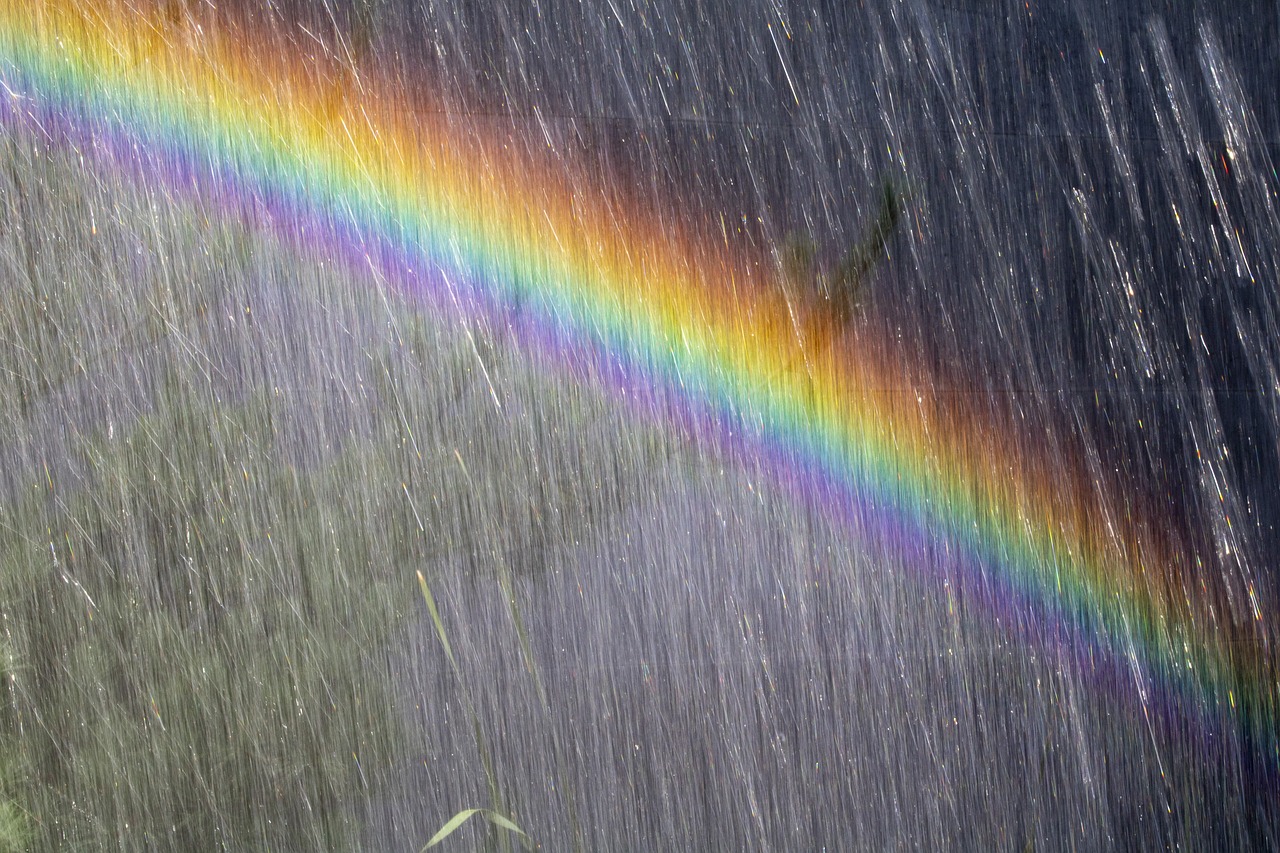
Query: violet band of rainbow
[{"x": 468, "y": 228}]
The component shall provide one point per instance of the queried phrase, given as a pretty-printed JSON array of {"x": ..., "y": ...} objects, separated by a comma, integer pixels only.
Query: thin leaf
[
  {"x": 435, "y": 617},
  {"x": 498, "y": 820},
  {"x": 463, "y": 816},
  {"x": 448, "y": 829}
]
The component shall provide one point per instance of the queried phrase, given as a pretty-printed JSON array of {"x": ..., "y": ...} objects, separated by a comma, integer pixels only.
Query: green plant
[
  {"x": 206, "y": 623},
  {"x": 495, "y": 792},
  {"x": 466, "y": 814}
]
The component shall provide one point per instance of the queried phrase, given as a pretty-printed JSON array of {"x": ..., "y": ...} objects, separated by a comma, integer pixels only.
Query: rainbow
[{"x": 679, "y": 323}]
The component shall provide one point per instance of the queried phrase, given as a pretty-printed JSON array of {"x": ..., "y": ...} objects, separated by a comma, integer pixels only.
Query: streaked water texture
[{"x": 813, "y": 428}]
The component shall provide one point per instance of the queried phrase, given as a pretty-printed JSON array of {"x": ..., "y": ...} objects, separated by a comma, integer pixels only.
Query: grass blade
[
  {"x": 466, "y": 814},
  {"x": 448, "y": 829},
  {"x": 435, "y": 617},
  {"x": 498, "y": 820}
]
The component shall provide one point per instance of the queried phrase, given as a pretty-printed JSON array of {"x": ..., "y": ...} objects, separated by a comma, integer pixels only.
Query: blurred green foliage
[
  {"x": 199, "y": 641},
  {"x": 209, "y": 532}
]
